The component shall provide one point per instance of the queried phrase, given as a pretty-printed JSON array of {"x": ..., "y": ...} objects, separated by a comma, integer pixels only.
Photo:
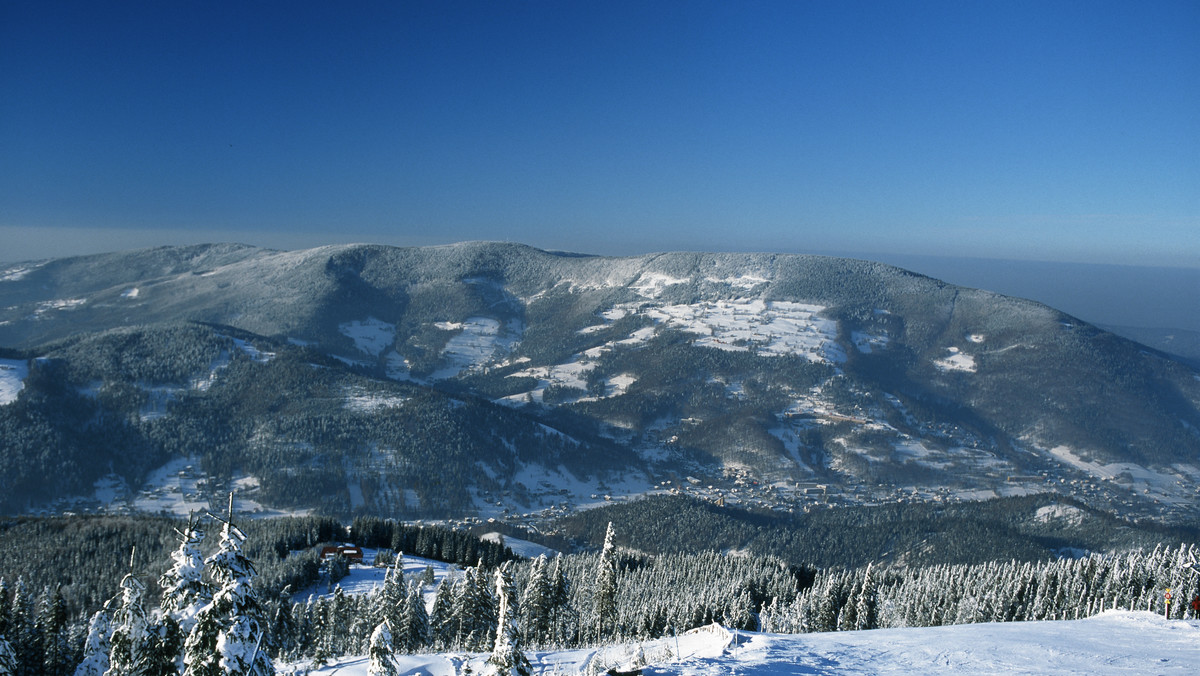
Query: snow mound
[{"x": 1114, "y": 642}]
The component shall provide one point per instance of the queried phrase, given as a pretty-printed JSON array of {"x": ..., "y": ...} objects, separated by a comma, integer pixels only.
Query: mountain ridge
[{"x": 790, "y": 368}]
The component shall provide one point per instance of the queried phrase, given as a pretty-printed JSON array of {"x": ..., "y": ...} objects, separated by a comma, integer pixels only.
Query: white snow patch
[
  {"x": 652, "y": 284},
  {"x": 18, "y": 273},
  {"x": 745, "y": 282},
  {"x": 253, "y": 352},
  {"x": 1066, "y": 513},
  {"x": 525, "y": 548},
  {"x": 371, "y": 336},
  {"x": 363, "y": 401},
  {"x": 867, "y": 342},
  {"x": 1141, "y": 479},
  {"x": 172, "y": 489},
  {"x": 480, "y": 341},
  {"x": 791, "y": 443},
  {"x": 773, "y": 328},
  {"x": 62, "y": 304},
  {"x": 13, "y": 373},
  {"x": 957, "y": 361},
  {"x": 1148, "y": 644},
  {"x": 976, "y": 338}
]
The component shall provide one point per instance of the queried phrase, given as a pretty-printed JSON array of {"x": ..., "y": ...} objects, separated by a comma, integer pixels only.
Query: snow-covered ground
[
  {"x": 529, "y": 550},
  {"x": 12, "y": 379},
  {"x": 479, "y": 341},
  {"x": 1114, "y": 642},
  {"x": 957, "y": 360},
  {"x": 371, "y": 336},
  {"x": 365, "y": 578}
]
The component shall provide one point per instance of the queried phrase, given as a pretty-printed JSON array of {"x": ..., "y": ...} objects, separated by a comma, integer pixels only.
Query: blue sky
[{"x": 1029, "y": 130}]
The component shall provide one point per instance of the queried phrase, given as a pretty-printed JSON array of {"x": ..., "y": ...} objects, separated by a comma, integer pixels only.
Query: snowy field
[
  {"x": 1114, "y": 642},
  {"x": 12, "y": 379}
]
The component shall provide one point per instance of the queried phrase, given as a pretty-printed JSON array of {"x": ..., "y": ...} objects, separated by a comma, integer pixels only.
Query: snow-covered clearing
[
  {"x": 1114, "y": 642},
  {"x": 957, "y": 361},
  {"x": 1165, "y": 487},
  {"x": 253, "y": 352},
  {"x": 364, "y": 578},
  {"x": 652, "y": 284},
  {"x": 772, "y": 327},
  {"x": 530, "y": 550},
  {"x": 364, "y": 401},
  {"x": 371, "y": 336},
  {"x": 1066, "y": 513},
  {"x": 13, "y": 373},
  {"x": 745, "y": 282},
  {"x": 868, "y": 342},
  {"x": 479, "y": 341}
]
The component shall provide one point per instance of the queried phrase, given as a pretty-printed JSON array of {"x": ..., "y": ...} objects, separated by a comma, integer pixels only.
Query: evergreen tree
[
  {"x": 604, "y": 598},
  {"x": 52, "y": 625},
  {"x": 415, "y": 623},
  {"x": 867, "y": 614},
  {"x": 380, "y": 653},
  {"x": 23, "y": 634},
  {"x": 184, "y": 592},
  {"x": 441, "y": 619},
  {"x": 507, "y": 658},
  {"x": 391, "y": 598},
  {"x": 5, "y": 610},
  {"x": 128, "y": 643},
  {"x": 536, "y": 603},
  {"x": 229, "y": 634},
  {"x": 8, "y": 659},
  {"x": 97, "y": 646}
]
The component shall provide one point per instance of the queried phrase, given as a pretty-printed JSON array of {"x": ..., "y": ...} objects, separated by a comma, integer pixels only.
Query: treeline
[
  {"x": 1061, "y": 589},
  {"x": 223, "y": 599},
  {"x": 81, "y": 555},
  {"x": 917, "y": 534}
]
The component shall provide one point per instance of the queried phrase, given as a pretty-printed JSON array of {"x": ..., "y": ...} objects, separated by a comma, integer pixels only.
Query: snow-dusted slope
[{"x": 1115, "y": 642}]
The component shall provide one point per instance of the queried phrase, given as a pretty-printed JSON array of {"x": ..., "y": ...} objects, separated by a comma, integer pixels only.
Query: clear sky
[{"x": 1032, "y": 130}]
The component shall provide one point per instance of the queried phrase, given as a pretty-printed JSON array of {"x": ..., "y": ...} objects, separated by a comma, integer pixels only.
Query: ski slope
[{"x": 1114, "y": 642}]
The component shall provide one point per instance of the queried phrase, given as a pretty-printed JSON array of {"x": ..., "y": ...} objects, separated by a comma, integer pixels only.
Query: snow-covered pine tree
[
  {"x": 507, "y": 658},
  {"x": 604, "y": 596},
  {"x": 536, "y": 603},
  {"x": 441, "y": 616},
  {"x": 285, "y": 630},
  {"x": 230, "y": 628},
  {"x": 184, "y": 591},
  {"x": 563, "y": 623},
  {"x": 389, "y": 604},
  {"x": 380, "y": 654},
  {"x": 96, "y": 647},
  {"x": 8, "y": 659},
  {"x": 127, "y": 656},
  {"x": 52, "y": 627},
  {"x": 22, "y": 631},
  {"x": 415, "y": 622}
]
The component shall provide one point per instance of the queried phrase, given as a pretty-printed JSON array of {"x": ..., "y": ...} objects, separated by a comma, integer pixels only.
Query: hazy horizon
[{"x": 1061, "y": 131}]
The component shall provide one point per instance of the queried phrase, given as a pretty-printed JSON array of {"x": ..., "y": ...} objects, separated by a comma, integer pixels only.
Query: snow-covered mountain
[
  {"x": 1114, "y": 642},
  {"x": 793, "y": 379}
]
